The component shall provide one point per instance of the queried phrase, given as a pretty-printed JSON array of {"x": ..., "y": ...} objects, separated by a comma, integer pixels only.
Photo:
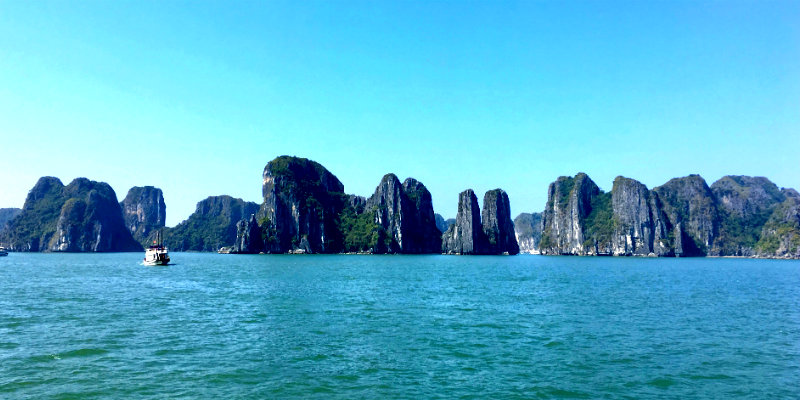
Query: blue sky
[{"x": 196, "y": 97}]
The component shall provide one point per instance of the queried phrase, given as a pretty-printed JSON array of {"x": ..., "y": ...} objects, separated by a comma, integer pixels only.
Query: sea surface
[{"x": 398, "y": 327}]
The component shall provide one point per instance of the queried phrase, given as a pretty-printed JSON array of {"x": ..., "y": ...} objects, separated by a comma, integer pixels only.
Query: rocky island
[
  {"x": 305, "y": 209},
  {"x": 736, "y": 216},
  {"x": 82, "y": 216}
]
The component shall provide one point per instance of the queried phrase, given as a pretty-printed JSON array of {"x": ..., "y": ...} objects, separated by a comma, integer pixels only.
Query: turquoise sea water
[{"x": 236, "y": 326}]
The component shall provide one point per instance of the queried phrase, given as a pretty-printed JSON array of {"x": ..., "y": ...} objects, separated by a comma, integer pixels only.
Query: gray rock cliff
[
  {"x": 83, "y": 216},
  {"x": 569, "y": 202},
  {"x": 691, "y": 208},
  {"x": 404, "y": 212},
  {"x": 213, "y": 224},
  {"x": 302, "y": 200},
  {"x": 249, "y": 238},
  {"x": 528, "y": 230},
  {"x": 780, "y": 236},
  {"x": 498, "y": 228},
  {"x": 640, "y": 226},
  {"x": 466, "y": 235},
  {"x": 144, "y": 212},
  {"x": 745, "y": 204}
]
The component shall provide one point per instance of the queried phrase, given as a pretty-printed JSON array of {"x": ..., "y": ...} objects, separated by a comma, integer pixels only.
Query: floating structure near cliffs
[{"x": 156, "y": 254}]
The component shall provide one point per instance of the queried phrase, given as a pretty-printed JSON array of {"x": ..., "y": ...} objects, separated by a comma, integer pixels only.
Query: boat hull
[{"x": 156, "y": 255}]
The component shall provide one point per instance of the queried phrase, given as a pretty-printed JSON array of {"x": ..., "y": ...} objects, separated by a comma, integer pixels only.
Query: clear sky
[{"x": 196, "y": 97}]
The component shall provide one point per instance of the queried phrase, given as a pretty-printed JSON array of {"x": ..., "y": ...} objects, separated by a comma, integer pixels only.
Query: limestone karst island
[{"x": 305, "y": 209}]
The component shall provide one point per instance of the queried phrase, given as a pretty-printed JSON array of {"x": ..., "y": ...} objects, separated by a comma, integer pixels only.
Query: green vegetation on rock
[{"x": 599, "y": 224}]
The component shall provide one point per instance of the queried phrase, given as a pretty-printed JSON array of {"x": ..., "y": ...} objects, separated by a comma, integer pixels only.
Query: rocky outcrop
[
  {"x": 144, "y": 212},
  {"x": 389, "y": 205},
  {"x": 442, "y": 224},
  {"x": 745, "y": 204},
  {"x": 421, "y": 234},
  {"x": 736, "y": 216},
  {"x": 640, "y": 227},
  {"x": 249, "y": 238},
  {"x": 780, "y": 236},
  {"x": 356, "y": 203},
  {"x": 498, "y": 228},
  {"x": 466, "y": 235},
  {"x": 211, "y": 226},
  {"x": 302, "y": 201},
  {"x": 569, "y": 203},
  {"x": 691, "y": 208},
  {"x": 6, "y": 215},
  {"x": 83, "y": 216},
  {"x": 404, "y": 215},
  {"x": 746, "y": 197},
  {"x": 528, "y": 230},
  {"x": 790, "y": 193}
]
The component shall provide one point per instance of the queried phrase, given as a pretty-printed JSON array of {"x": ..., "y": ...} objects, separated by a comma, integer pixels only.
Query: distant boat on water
[
  {"x": 3, "y": 251},
  {"x": 225, "y": 250},
  {"x": 156, "y": 254}
]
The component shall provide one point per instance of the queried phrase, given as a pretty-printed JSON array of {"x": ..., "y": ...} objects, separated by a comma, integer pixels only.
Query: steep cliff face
[
  {"x": 780, "y": 236},
  {"x": 390, "y": 206},
  {"x": 466, "y": 235},
  {"x": 421, "y": 234},
  {"x": 36, "y": 224},
  {"x": 249, "y": 238},
  {"x": 684, "y": 217},
  {"x": 745, "y": 204},
  {"x": 528, "y": 230},
  {"x": 663, "y": 238},
  {"x": 144, "y": 212},
  {"x": 211, "y": 226},
  {"x": 302, "y": 200},
  {"x": 498, "y": 228},
  {"x": 691, "y": 208},
  {"x": 404, "y": 214},
  {"x": 569, "y": 203},
  {"x": 82, "y": 216},
  {"x": 640, "y": 227}
]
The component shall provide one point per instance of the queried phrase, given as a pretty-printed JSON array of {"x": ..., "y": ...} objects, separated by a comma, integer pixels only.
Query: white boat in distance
[
  {"x": 3, "y": 251},
  {"x": 156, "y": 254}
]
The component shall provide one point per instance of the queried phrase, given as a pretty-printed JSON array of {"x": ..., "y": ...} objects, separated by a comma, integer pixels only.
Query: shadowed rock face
[
  {"x": 442, "y": 224},
  {"x": 211, "y": 226},
  {"x": 301, "y": 202},
  {"x": 691, "y": 208},
  {"x": 248, "y": 237},
  {"x": 569, "y": 202},
  {"x": 390, "y": 206},
  {"x": 466, "y": 235},
  {"x": 640, "y": 227},
  {"x": 83, "y": 216},
  {"x": 421, "y": 234},
  {"x": 498, "y": 228},
  {"x": 528, "y": 229},
  {"x": 144, "y": 212},
  {"x": 405, "y": 214}
]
